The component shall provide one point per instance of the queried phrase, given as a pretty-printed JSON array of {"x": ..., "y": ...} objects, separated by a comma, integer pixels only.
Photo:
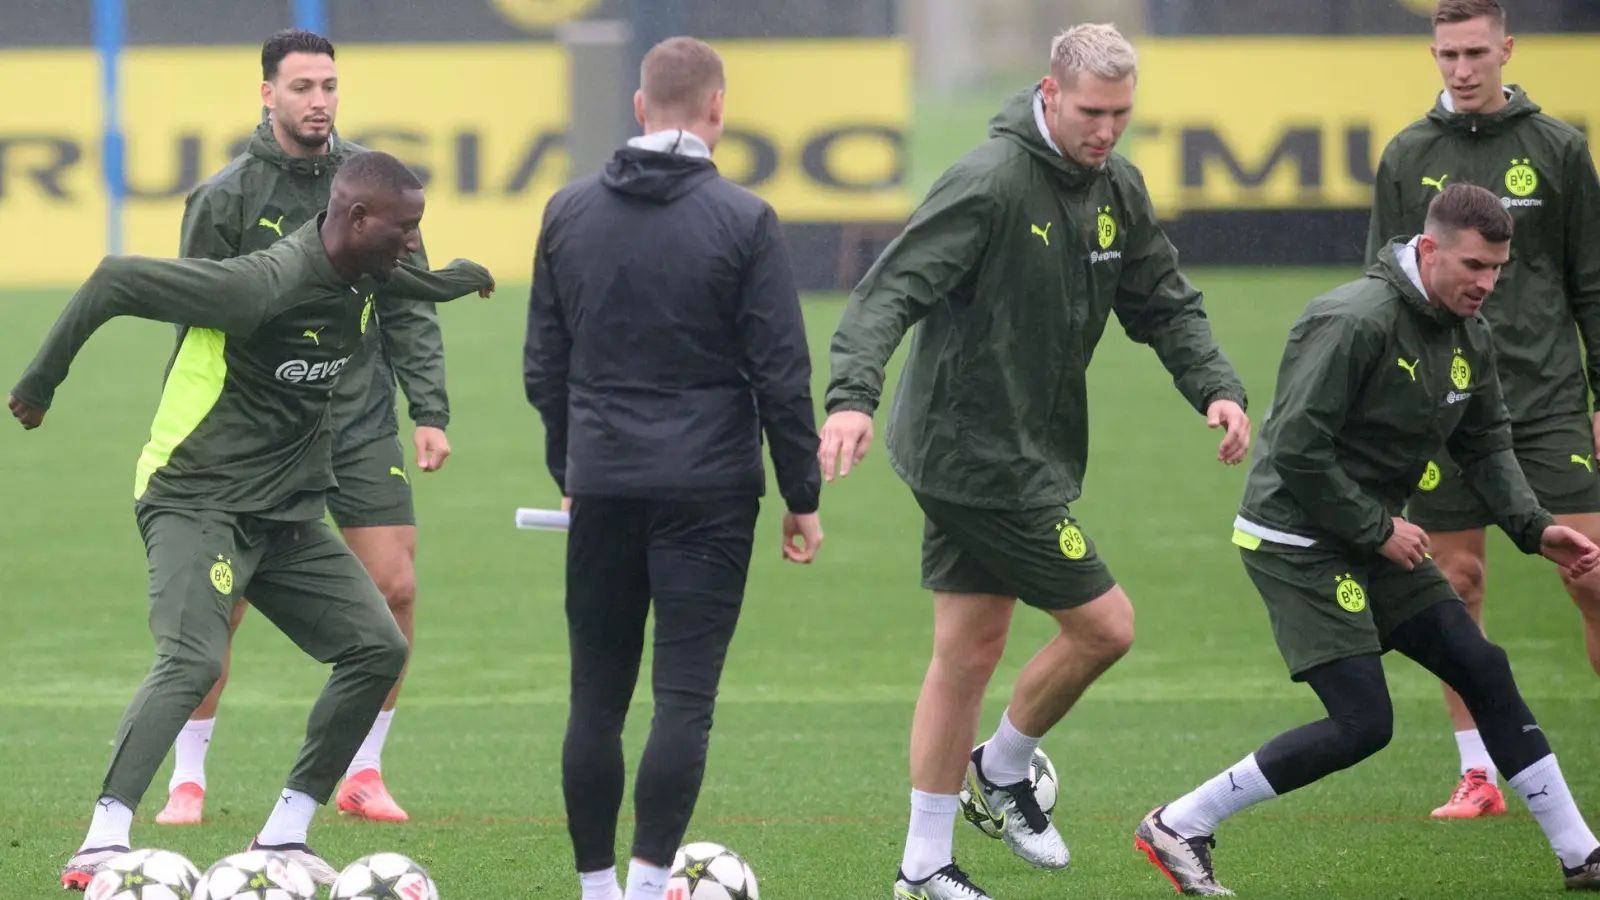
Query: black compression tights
[{"x": 1442, "y": 639}]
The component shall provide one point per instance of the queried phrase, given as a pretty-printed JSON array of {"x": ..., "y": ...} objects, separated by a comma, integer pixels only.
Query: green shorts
[
  {"x": 374, "y": 488},
  {"x": 1556, "y": 455},
  {"x": 1324, "y": 607},
  {"x": 1040, "y": 556}
]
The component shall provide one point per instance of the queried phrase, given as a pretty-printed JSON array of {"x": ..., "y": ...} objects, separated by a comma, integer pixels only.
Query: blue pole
[
  {"x": 311, "y": 15},
  {"x": 108, "y": 38}
]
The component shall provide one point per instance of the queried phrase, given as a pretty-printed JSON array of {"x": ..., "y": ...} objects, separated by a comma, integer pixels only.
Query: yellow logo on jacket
[
  {"x": 1430, "y": 476},
  {"x": 1105, "y": 227},
  {"x": 1349, "y": 594},
  {"x": 222, "y": 575},
  {"x": 1521, "y": 179},
  {"x": 1460, "y": 371}
]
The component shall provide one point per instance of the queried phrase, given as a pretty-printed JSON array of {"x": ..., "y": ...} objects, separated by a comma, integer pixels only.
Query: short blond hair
[
  {"x": 679, "y": 76},
  {"x": 1098, "y": 49}
]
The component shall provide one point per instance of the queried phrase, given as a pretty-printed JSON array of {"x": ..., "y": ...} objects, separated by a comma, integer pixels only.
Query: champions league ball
[
  {"x": 256, "y": 875},
  {"x": 144, "y": 875},
  {"x": 1045, "y": 788},
  {"x": 385, "y": 876},
  {"x": 707, "y": 871}
]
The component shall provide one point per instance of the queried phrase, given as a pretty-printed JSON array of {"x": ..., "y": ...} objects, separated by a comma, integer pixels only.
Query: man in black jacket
[{"x": 664, "y": 339}]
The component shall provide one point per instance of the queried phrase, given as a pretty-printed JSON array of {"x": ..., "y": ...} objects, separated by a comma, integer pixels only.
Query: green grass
[{"x": 807, "y": 772}]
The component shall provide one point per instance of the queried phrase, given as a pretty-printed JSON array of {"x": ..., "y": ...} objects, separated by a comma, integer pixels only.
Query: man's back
[{"x": 671, "y": 291}]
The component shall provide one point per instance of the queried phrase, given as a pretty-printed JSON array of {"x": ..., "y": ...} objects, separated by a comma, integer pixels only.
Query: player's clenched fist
[
  {"x": 845, "y": 438},
  {"x": 27, "y": 415}
]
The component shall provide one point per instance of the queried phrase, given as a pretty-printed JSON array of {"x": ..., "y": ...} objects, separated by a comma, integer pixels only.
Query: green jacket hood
[
  {"x": 1389, "y": 268},
  {"x": 1519, "y": 107},
  {"x": 1016, "y": 122},
  {"x": 264, "y": 146}
]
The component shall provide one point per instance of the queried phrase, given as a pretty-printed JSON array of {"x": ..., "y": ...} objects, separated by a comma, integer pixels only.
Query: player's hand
[
  {"x": 845, "y": 438},
  {"x": 484, "y": 292},
  {"x": 1597, "y": 434},
  {"x": 1407, "y": 547},
  {"x": 27, "y": 415},
  {"x": 808, "y": 528},
  {"x": 1236, "y": 442},
  {"x": 433, "y": 448},
  {"x": 566, "y": 505},
  {"x": 1575, "y": 554}
]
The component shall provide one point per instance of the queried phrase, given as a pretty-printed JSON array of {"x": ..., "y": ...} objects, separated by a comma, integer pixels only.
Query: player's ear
[
  {"x": 1505, "y": 51},
  {"x": 638, "y": 106},
  {"x": 266, "y": 94},
  {"x": 358, "y": 216},
  {"x": 716, "y": 106}
]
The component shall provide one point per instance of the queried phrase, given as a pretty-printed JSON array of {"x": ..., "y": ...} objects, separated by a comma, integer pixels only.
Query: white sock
[
  {"x": 600, "y": 885},
  {"x": 110, "y": 825},
  {"x": 371, "y": 753},
  {"x": 931, "y": 836},
  {"x": 1200, "y": 811},
  {"x": 1008, "y": 756},
  {"x": 1474, "y": 755},
  {"x": 189, "y": 753},
  {"x": 289, "y": 820},
  {"x": 646, "y": 882},
  {"x": 1545, "y": 792}
]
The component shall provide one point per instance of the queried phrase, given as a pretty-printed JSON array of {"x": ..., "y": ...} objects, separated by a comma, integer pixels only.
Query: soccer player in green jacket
[
  {"x": 278, "y": 183},
  {"x": 230, "y": 491},
  {"x": 1545, "y": 315},
  {"x": 1377, "y": 374},
  {"x": 1011, "y": 267}
]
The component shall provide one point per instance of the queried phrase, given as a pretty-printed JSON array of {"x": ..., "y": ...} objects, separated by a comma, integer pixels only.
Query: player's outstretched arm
[
  {"x": 1324, "y": 364},
  {"x": 458, "y": 279},
  {"x": 546, "y": 355},
  {"x": 943, "y": 240},
  {"x": 1159, "y": 307},
  {"x": 232, "y": 296},
  {"x": 1481, "y": 445}
]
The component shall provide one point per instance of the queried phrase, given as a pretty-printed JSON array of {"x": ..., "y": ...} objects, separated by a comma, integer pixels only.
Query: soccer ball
[
  {"x": 707, "y": 871},
  {"x": 384, "y": 875},
  {"x": 1045, "y": 789},
  {"x": 144, "y": 875},
  {"x": 256, "y": 875}
]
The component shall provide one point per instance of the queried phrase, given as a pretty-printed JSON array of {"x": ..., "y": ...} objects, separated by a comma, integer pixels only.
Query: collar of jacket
[
  {"x": 309, "y": 238},
  {"x": 264, "y": 146},
  {"x": 1391, "y": 269},
  {"x": 1016, "y": 122},
  {"x": 1519, "y": 106}
]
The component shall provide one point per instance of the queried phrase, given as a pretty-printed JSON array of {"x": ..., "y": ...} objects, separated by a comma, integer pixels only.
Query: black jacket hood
[{"x": 660, "y": 177}]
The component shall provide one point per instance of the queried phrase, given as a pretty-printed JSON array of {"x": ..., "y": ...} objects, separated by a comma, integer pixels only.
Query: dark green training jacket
[
  {"x": 1373, "y": 382},
  {"x": 1010, "y": 269},
  {"x": 1543, "y": 173},
  {"x": 265, "y": 194},
  {"x": 244, "y": 421}
]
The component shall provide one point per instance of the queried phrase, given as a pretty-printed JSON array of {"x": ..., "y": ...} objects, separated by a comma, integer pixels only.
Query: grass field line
[{"x": 1145, "y": 692}]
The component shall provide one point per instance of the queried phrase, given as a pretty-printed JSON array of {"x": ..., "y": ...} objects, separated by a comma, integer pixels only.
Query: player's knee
[
  {"x": 972, "y": 658},
  {"x": 400, "y": 592},
  {"x": 192, "y": 673},
  {"x": 1466, "y": 573},
  {"x": 1366, "y": 734},
  {"x": 387, "y": 652},
  {"x": 1107, "y": 636}
]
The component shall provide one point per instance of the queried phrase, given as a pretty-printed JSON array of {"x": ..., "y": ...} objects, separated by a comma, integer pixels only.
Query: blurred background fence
[{"x": 1258, "y": 125}]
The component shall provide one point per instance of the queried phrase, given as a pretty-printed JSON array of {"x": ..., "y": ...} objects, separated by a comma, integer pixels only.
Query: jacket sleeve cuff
[
  {"x": 1235, "y": 394},
  {"x": 803, "y": 506},
  {"x": 1385, "y": 531},
  {"x": 1531, "y": 540},
  {"x": 431, "y": 420},
  {"x": 852, "y": 404}
]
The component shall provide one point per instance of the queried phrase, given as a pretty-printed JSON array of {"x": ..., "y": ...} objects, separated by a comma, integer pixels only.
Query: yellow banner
[
  {"x": 817, "y": 127},
  {"x": 1276, "y": 123}
]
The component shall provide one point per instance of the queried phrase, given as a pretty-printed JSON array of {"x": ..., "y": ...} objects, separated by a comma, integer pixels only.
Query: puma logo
[
  {"x": 1429, "y": 182},
  {"x": 1044, "y": 234},
  {"x": 1586, "y": 461},
  {"x": 275, "y": 226},
  {"x": 1542, "y": 792},
  {"x": 313, "y": 335},
  {"x": 1235, "y": 784},
  {"x": 399, "y": 473},
  {"x": 1411, "y": 368}
]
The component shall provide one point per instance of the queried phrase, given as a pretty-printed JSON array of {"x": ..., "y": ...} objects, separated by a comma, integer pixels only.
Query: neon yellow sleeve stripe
[{"x": 192, "y": 389}]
